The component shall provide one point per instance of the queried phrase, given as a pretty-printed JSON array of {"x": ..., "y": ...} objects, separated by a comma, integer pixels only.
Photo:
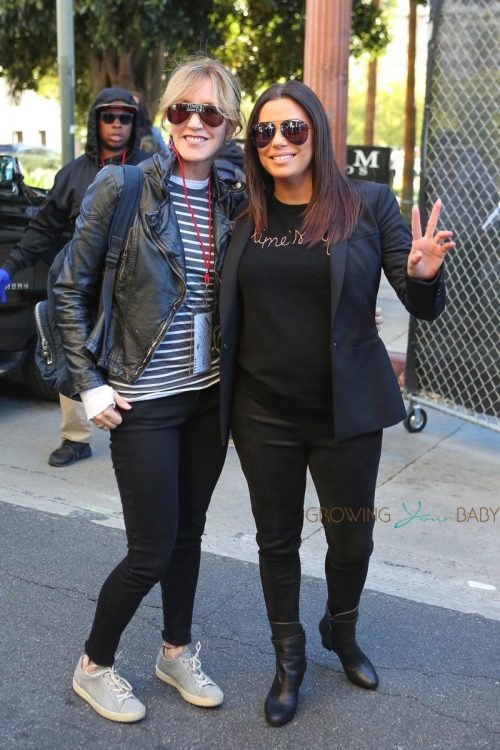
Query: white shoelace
[
  {"x": 194, "y": 663},
  {"x": 119, "y": 685}
]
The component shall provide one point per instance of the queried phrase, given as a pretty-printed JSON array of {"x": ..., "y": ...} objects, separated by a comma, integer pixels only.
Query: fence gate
[{"x": 453, "y": 364}]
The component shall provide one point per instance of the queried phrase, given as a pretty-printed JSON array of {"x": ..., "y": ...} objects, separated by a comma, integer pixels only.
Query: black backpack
[{"x": 49, "y": 354}]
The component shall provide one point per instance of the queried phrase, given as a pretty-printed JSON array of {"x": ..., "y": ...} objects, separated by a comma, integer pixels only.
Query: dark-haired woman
[{"x": 306, "y": 381}]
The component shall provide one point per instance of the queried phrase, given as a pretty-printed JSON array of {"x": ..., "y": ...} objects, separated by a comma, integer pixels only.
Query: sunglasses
[
  {"x": 295, "y": 131},
  {"x": 209, "y": 115},
  {"x": 110, "y": 117}
]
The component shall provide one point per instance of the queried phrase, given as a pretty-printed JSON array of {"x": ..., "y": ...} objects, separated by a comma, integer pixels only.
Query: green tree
[
  {"x": 390, "y": 122},
  {"x": 264, "y": 39},
  {"x": 131, "y": 43},
  {"x": 119, "y": 43}
]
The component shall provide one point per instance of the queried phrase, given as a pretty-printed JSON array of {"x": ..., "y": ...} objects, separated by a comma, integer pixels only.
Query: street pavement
[{"x": 430, "y": 614}]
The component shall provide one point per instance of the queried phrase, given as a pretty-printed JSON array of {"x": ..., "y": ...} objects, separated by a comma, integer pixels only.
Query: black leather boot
[
  {"x": 338, "y": 634},
  {"x": 281, "y": 702}
]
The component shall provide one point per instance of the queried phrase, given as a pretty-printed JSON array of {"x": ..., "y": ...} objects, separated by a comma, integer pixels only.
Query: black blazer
[{"x": 366, "y": 394}]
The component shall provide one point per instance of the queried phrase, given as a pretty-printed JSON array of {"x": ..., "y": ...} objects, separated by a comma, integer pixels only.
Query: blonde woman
[{"x": 158, "y": 395}]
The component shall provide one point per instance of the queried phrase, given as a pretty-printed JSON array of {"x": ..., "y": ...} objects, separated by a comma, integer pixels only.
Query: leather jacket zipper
[{"x": 46, "y": 351}]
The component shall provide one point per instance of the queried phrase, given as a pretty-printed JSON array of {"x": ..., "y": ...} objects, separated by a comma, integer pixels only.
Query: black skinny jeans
[
  {"x": 277, "y": 442},
  {"x": 167, "y": 456}
]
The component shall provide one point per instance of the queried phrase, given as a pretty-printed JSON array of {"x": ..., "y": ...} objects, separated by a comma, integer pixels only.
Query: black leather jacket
[{"x": 150, "y": 283}]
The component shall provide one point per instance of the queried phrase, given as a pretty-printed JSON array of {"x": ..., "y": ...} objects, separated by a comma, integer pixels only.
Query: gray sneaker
[
  {"x": 108, "y": 694},
  {"x": 185, "y": 673}
]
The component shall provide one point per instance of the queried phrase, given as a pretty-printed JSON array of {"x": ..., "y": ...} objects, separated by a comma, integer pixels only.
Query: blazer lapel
[
  {"x": 229, "y": 283},
  {"x": 338, "y": 257}
]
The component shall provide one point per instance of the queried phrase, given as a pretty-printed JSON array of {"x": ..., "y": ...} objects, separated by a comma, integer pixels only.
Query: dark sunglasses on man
[
  {"x": 109, "y": 117},
  {"x": 208, "y": 114},
  {"x": 295, "y": 131}
]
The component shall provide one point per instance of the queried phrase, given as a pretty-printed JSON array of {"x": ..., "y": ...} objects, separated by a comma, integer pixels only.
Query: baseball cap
[{"x": 120, "y": 104}]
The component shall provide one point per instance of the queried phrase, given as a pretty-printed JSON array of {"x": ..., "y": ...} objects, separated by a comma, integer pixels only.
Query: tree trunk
[
  {"x": 148, "y": 70},
  {"x": 103, "y": 69},
  {"x": 136, "y": 70},
  {"x": 110, "y": 65},
  {"x": 371, "y": 97},
  {"x": 97, "y": 73},
  {"x": 409, "y": 134},
  {"x": 124, "y": 76}
]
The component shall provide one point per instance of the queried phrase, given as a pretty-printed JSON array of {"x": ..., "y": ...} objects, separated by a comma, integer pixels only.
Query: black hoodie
[
  {"x": 55, "y": 222},
  {"x": 106, "y": 96}
]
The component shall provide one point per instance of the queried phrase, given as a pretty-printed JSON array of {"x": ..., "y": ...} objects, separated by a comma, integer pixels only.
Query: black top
[{"x": 285, "y": 296}]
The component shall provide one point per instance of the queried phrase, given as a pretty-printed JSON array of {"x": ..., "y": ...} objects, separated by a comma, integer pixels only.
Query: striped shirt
[{"x": 170, "y": 370}]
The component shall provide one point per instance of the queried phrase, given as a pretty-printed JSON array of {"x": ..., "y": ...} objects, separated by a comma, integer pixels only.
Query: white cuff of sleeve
[{"x": 95, "y": 400}]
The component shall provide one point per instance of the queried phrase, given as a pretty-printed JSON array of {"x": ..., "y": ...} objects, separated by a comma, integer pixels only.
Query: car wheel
[{"x": 36, "y": 384}]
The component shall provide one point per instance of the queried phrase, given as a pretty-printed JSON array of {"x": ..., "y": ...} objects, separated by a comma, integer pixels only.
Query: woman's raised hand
[{"x": 428, "y": 250}]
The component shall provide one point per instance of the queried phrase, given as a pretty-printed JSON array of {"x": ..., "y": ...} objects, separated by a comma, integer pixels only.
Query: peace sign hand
[{"x": 428, "y": 251}]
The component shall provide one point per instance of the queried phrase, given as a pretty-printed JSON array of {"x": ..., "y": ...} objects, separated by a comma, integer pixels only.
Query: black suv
[{"x": 18, "y": 204}]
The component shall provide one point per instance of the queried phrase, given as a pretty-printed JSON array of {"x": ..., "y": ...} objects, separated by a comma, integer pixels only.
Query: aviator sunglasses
[
  {"x": 208, "y": 114},
  {"x": 295, "y": 131},
  {"x": 110, "y": 117}
]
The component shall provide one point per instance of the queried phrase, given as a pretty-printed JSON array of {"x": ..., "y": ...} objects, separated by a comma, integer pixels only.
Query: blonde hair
[{"x": 192, "y": 71}]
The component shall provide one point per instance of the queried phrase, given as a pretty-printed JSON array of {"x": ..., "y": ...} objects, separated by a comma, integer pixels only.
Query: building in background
[{"x": 30, "y": 119}]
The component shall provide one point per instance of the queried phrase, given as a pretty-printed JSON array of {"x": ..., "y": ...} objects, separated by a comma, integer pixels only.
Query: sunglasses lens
[
  {"x": 176, "y": 115},
  {"x": 295, "y": 131},
  {"x": 110, "y": 117},
  {"x": 263, "y": 134},
  {"x": 211, "y": 117},
  {"x": 179, "y": 113}
]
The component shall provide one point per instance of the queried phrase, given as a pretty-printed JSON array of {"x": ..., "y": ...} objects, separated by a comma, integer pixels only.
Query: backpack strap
[{"x": 123, "y": 217}]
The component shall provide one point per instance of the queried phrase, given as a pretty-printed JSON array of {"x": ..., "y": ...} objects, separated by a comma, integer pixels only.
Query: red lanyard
[{"x": 207, "y": 256}]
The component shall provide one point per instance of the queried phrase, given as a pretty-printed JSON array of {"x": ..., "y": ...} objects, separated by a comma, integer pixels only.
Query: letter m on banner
[{"x": 369, "y": 163}]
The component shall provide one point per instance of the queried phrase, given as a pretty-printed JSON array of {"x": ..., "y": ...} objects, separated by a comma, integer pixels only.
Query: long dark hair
[{"x": 335, "y": 203}]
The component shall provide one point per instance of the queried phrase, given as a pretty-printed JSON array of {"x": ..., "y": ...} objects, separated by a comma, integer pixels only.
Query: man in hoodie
[{"x": 112, "y": 138}]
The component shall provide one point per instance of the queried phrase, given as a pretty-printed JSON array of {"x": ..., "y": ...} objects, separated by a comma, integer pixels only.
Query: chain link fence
[{"x": 453, "y": 364}]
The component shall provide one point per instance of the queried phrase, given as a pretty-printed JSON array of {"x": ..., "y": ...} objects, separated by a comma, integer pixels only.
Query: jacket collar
[{"x": 165, "y": 163}]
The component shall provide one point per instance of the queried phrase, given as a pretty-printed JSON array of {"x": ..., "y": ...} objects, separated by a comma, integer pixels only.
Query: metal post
[
  {"x": 326, "y": 64},
  {"x": 66, "y": 68}
]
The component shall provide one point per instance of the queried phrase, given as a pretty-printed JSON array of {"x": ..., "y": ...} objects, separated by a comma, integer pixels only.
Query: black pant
[
  {"x": 167, "y": 456},
  {"x": 276, "y": 443}
]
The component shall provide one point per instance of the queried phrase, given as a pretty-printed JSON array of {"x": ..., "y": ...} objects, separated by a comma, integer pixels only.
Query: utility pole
[
  {"x": 326, "y": 64},
  {"x": 66, "y": 68}
]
